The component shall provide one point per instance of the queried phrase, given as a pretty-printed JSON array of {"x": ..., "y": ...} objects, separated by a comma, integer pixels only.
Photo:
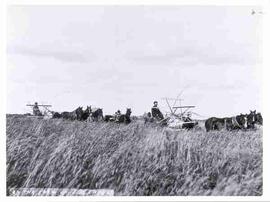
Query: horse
[
  {"x": 56, "y": 115},
  {"x": 254, "y": 118},
  {"x": 97, "y": 115},
  {"x": 125, "y": 118},
  {"x": 251, "y": 119},
  {"x": 214, "y": 123},
  {"x": 259, "y": 119},
  {"x": 86, "y": 113},
  {"x": 229, "y": 123},
  {"x": 74, "y": 115},
  {"x": 237, "y": 122}
]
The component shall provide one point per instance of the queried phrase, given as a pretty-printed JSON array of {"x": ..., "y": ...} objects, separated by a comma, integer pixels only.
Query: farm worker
[
  {"x": 156, "y": 113},
  {"x": 36, "y": 111},
  {"x": 117, "y": 115}
]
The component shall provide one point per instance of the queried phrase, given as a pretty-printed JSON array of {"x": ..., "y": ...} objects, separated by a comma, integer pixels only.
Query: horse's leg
[
  {"x": 219, "y": 126},
  {"x": 89, "y": 119},
  {"x": 100, "y": 118},
  {"x": 213, "y": 125}
]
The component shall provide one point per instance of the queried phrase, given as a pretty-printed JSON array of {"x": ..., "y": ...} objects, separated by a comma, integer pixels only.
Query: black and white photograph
[{"x": 134, "y": 100}]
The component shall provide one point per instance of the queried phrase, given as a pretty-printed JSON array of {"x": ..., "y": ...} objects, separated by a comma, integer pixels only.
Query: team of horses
[
  {"x": 239, "y": 122},
  {"x": 90, "y": 114}
]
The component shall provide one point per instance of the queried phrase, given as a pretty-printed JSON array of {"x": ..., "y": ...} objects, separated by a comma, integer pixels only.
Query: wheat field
[{"x": 134, "y": 160}]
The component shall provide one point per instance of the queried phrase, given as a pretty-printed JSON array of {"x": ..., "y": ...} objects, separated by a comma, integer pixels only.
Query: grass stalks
[{"x": 134, "y": 159}]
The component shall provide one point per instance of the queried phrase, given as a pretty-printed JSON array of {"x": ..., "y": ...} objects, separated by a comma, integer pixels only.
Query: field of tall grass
[{"x": 134, "y": 159}]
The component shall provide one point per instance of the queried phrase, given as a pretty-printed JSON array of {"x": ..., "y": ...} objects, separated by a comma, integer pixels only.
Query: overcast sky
[{"x": 115, "y": 57}]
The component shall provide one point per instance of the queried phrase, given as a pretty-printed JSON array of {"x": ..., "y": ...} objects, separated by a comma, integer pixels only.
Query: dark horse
[
  {"x": 97, "y": 115},
  {"x": 214, "y": 123},
  {"x": 228, "y": 123},
  {"x": 259, "y": 119},
  {"x": 56, "y": 115},
  {"x": 86, "y": 113},
  {"x": 254, "y": 118},
  {"x": 125, "y": 118},
  {"x": 236, "y": 122},
  {"x": 74, "y": 115}
]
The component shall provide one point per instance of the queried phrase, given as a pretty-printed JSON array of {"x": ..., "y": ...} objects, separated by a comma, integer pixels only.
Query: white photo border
[{"x": 266, "y": 139}]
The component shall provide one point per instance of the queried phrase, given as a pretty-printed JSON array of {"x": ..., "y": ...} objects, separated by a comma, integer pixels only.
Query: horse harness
[{"x": 235, "y": 122}]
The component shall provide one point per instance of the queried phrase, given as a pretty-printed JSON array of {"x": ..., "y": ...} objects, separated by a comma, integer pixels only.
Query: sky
[{"x": 114, "y": 57}]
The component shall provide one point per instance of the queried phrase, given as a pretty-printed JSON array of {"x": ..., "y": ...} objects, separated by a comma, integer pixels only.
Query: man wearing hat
[
  {"x": 117, "y": 115},
  {"x": 36, "y": 111},
  {"x": 156, "y": 113}
]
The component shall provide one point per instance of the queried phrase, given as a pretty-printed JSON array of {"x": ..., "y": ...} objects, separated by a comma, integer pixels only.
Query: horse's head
[
  {"x": 128, "y": 112},
  {"x": 100, "y": 110},
  {"x": 251, "y": 117},
  {"x": 259, "y": 119},
  {"x": 78, "y": 109},
  {"x": 242, "y": 120},
  {"x": 88, "y": 109},
  {"x": 79, "y": 112},
  {"x": 253, "y": 112}
]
